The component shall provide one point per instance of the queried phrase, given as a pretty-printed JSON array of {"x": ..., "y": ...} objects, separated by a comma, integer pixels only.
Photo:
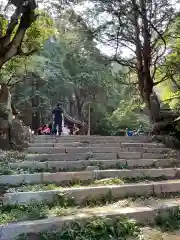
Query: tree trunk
[
  {"x": 10, "y": 48},
  {"x": 79, "y": 104},
  {"x": 89, "y": 119},
  {"x": 140, "y": 68},
  {"x": 35, "y": 104},
  {"x": 148, "y": 81}
]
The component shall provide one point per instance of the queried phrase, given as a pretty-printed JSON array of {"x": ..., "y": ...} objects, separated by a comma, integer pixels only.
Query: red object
[
  {"x": 46, "y": 130},
  {"x": 39, "y": 129}
]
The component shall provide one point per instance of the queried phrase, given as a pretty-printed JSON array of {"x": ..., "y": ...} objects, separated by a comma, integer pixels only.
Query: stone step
[
  {"x": 143, "y": 215},
  {"x": 64, "y": 178},
  {"x": 105, "y": 164},
  {"x": 83, "y": 194},
  {"x": 95, "y": 149},
  {"x": 86, "y": 139},
  {"x": 97, "y": 156},
  {"x": 116, "y": 144}
]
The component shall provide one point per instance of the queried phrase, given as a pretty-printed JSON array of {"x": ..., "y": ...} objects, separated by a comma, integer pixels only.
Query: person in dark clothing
[{"x": 58, "y": 116}]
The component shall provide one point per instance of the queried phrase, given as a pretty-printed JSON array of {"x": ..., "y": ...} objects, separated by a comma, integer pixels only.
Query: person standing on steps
[{"x": 58, "y": 117}]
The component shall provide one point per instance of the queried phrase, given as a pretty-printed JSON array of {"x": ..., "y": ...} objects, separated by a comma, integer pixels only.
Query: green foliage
[
  {"x": 95, "y": 228},
  {"x": 169, "y": 69},
  {"x": 125, "y": 116},
  {"x": 43, "y": 28},
  {"x": 71, "y": 69},
  {"x": 11, "y": 213},
  {"x": 169, "y": 221}
]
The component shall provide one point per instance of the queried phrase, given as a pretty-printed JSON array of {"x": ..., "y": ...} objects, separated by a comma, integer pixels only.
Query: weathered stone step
[
  {"x": 86, "y": 139},
  {"x": 82, "y": 194},
  {"x": 97, "y": 156},
  {"x": 95, "y": 149},
  {"x": 116, "y": 144},
  {"x": 69, "y": 177},
  {"x": 98, "y": 164},
  {"x": 143, "y": 215}
]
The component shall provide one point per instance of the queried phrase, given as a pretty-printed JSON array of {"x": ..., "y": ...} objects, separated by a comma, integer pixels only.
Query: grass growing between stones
[
  {"x": 79, "y": 184},
  {"x": 14, "y": 213},
  {"x": 94, "y": 229},
  {"x": 63, "y": 205},
  {"x": 7, "y": 169},
  {"x": 33, "y": 188},
  {"x": 169, "y": 221},
  {"x": 11, "y": 156}
]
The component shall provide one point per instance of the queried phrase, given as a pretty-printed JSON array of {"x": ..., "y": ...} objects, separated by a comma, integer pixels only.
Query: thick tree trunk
[
  {"x": 140, "y": 70},
  {"x": 10, "y": 48},
  {"x": 79, "y": 104},
  {"x": 148, "y": 81}
]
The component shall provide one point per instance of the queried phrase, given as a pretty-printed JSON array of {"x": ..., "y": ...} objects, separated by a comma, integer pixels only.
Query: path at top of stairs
[{"x": 103, "y": 176}]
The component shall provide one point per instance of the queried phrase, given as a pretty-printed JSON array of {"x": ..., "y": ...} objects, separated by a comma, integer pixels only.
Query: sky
[
  {"x": 109, "y": 50},
  {"x": 79, "y": 9}
]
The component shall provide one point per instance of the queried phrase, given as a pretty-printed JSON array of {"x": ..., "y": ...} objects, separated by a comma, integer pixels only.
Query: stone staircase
[{"x": 89, "y": 176}]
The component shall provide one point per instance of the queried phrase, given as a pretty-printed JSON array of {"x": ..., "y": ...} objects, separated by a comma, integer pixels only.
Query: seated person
[
  {"x": 140, "y": 131},
  {"x": 46, "y": 130},
  {"x": 129, "y": 132},
  {"x": 75, "y": 130}
]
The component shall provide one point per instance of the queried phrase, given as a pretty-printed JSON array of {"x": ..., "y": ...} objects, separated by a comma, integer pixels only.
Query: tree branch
[
  {"x": 26, "y": 54},
  {"x": 162, "y": 80},
  {"x": 12, "y": 48}
]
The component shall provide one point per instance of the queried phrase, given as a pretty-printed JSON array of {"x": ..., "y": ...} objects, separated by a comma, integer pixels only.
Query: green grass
[
  {"x": 11, "y": 156},
  {"x": 6, "y": 169},
  {"x": 94, "y": 229},
  {"x": 169, "y": 221},
  {"x": 77, "y": 183},
  {"x": 110, "y": 181},
  {"x": 14, "y": 213},
  {"x": 33, "y": 188}
]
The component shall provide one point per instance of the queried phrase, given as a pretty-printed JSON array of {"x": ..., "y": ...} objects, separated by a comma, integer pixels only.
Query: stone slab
[
  {"x": 141, "y": 144},
  {"x": 65, "y": 177},
  {"x": 16, "y": 180},
  {"x": 91, "y": 139},
  {"x": 46, "y": 150},
  {"x": 91, "y": 193},
  {"x": 141, "y": 214},
  {"x": 70, "y": 156},
  {"x": 134, "y": 173},
  {"x": 129, "y": 155},
  {"x": 165, "y": 187},
  {"x": 80, "y": 164},
  {"x": 28, "y": 164},
  {"x": 150, "y": 163},
  {"x": 154, "y": 155},
  {"x": 95, "y": 149}
]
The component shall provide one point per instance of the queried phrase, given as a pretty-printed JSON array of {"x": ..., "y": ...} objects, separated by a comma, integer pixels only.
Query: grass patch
[
  {"x": 14, "y": 213},
  {"x": 11, "y": 156},
  {"x": 95, "y": 228},
  {"x": 102, "y": 166},
  {"x": 79, "y": 184},
  {"x": 110, "y": 181},
  {"x": 169, "y": 221},
  {"x": 33, "y": 188},
  {"x": 118, "y": 181},
  {"x": 6, "y": 169}
]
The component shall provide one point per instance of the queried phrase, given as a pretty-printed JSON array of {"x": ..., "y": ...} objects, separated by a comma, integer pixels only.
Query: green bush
[{"x": 124, "y": 117}]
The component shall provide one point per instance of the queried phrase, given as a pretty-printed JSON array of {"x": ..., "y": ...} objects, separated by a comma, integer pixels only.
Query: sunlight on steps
[{"x": 62, "y": 179}]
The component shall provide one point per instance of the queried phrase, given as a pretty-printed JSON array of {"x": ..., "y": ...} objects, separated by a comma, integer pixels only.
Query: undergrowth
[
  {"x": 78, "y": 183},
  {"x": 169, "y": 221},
  {"x": 94, "y": 229},
  {"x": 35, "y": 210}
]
